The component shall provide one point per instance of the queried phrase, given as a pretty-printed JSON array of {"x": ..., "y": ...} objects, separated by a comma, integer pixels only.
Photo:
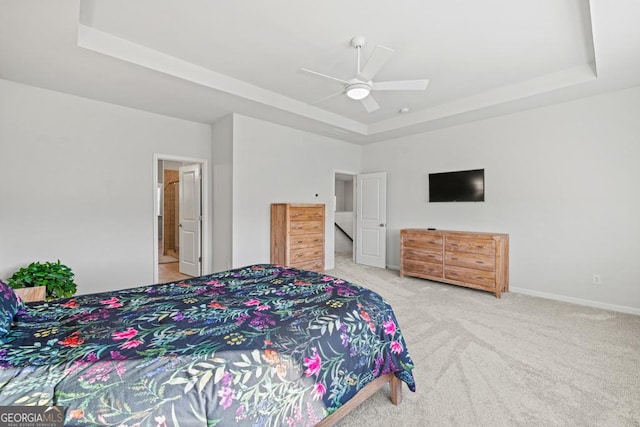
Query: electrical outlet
[{"x": 597, "y": 279}]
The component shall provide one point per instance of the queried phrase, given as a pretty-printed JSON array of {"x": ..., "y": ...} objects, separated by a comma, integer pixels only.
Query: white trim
[
  {"x": 125, "y": 50},
  {"x": 206, "y": 240},
  {"x": 572, "y": 300},
  {"x": 579, "y": 301}
]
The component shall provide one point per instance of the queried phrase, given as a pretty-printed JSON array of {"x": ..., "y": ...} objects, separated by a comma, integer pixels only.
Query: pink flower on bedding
[
  {"x": 313, "y": 364},
  {"x": 396, "y": 347},
  {"x": 121, "y": 369},
  {"x": 389, "y": 327},
  {"x": 318, "y": 391},
  {"x": 130, "y": 344},
  {"x": 116, "y": 355},
  {"x": 113, "y": 302},
  {"x": 214, "y": 283},
  {"x": 125, "y": 335},
  {"x": 226, "y": 396},
  {"x": 252, "y": 302}
]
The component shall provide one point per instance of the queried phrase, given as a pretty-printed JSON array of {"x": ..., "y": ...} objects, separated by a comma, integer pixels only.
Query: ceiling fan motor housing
[
  {"x": 357, "y": 89},
  {"x": 358, "y": 41}
]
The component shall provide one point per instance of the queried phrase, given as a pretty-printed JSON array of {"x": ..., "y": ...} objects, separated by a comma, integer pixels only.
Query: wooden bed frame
[{"x": 396, "y": 397}]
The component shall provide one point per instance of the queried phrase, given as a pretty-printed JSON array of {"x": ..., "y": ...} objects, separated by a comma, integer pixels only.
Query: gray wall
[
  {"x": 561, "y": 180},
  {"x": 77, "y": 184}
]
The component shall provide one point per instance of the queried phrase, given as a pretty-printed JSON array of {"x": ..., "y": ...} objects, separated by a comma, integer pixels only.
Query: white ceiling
[{"x": 202, "y": 59}]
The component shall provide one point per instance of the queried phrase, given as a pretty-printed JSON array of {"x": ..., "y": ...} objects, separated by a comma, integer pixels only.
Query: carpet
[{"x": 515, "y": 361}]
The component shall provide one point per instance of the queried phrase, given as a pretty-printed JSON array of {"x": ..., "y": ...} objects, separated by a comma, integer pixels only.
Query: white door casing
[
  {"x": 190, "y": 220},
  {"x": 371, "y": 233}
]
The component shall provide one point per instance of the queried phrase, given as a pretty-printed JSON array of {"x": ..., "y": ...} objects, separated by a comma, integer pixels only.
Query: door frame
[
  {"x": 206, "y": 220},
  {"x": 333, "y": 209}
]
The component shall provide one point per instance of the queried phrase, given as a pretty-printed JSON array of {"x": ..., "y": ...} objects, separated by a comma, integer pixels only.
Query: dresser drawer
[
  {"x": 306, "y": 214},
  {"x": 306, "y": 240},
  {"x": 306, "y": 227},
  {"x": 419, "y": 268},
  {"x": 471, "y": 260},
  {"x": 470, "y": 245},
  {"x": 422, "y": 240},
  {"x": 306, "y": 254},
  {"x": 481, "y": 278},
  {"x": 313, "y": 265},
  {"x": 420, "y": 254}
]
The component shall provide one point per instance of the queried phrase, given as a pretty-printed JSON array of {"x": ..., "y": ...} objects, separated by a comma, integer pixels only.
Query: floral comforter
[{"x": 261, "y": 345}]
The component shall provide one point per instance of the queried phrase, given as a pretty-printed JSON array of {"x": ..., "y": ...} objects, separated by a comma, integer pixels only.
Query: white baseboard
[
  {"x": 579, "y": 301},
  {"x": 573, "y": 300}
]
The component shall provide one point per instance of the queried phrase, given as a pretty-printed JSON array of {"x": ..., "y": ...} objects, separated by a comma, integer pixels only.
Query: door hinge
[{"x": 199, "y": 259}]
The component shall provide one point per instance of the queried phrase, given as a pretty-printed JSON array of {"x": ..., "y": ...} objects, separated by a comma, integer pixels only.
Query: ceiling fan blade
[
  {"x": 376, "y": 61},
  {"x": 333, "y": 95},
  {"x": 315, "y": 73},
  {"x": 370, "y": 104},
  {"x": 401, "y": 85}
]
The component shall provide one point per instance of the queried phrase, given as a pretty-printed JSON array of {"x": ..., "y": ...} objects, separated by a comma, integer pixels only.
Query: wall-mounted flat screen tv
[{"x": 459, "y": 186}]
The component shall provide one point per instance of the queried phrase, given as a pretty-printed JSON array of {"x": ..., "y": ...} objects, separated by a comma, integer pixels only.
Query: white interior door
[
  {"x": 371, "y": 219},
  {"x": 190, "y": 220}
]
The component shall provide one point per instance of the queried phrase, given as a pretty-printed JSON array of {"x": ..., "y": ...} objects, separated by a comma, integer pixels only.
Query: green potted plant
[{"x": 56, "y": 277}]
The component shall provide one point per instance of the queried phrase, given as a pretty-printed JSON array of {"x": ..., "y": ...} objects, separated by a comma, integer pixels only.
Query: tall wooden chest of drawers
[
  {"x": 474, "y": 260},
  {"x": 297, "y": 235}
]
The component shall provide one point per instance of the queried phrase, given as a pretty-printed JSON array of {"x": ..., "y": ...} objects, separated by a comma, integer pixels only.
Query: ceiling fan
[{"x": 360, "y": 87}]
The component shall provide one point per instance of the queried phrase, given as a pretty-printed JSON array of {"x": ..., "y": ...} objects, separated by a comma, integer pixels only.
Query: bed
[{"x": 261, "y": 345}]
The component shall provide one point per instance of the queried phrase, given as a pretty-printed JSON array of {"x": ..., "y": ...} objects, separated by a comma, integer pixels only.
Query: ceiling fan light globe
[{"x": 358, "y": 91}]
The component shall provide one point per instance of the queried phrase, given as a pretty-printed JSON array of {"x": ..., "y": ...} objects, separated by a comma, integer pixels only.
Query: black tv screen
[{"x": 460, "y": 186}]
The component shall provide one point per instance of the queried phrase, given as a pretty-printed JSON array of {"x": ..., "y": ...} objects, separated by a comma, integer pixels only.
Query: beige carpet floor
[{"x": 517, "y": 361}]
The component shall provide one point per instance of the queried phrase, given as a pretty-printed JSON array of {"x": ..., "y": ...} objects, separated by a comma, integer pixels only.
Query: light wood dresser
[
  {"x": 297, "y": 235},
  {"x": 474, "y": 260}
]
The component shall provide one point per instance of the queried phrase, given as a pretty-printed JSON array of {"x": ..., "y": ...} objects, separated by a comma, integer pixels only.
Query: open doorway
[
  {"x": 180, "y": 218},
  {"x": 168, "y": 219},
  {"x": 344, "y": 216}
]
